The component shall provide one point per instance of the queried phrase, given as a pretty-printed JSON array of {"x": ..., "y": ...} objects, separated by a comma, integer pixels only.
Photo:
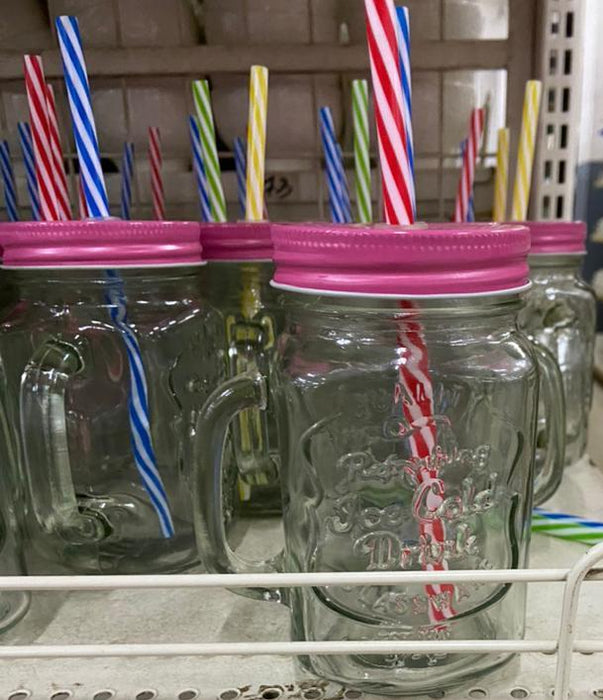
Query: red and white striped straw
[
  {"x": 156, "y": 179},
  {"x": 465, "y": 188},
  {"x": 382, "y": 34},
  {"x": 58, "y": 167},
  {"x": 81, "y": 199},
  {"x": 35, "y": 86}
]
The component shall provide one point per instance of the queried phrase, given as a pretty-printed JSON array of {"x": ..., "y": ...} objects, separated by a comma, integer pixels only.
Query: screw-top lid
[
  {"x": 231, "y": 242},
  {"x": 401, "y": 261},
  {"x": 557, "y": 237},
  {"x": 100, "y": 243}
]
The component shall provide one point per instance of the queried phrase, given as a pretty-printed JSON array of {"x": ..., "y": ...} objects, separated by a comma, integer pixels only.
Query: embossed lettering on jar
[
  {"x": 560, "y": 313},
  {"x": 406, "y": 405}
]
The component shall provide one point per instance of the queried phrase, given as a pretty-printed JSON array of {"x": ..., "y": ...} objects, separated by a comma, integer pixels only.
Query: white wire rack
[{"x": 137, "y": 637}]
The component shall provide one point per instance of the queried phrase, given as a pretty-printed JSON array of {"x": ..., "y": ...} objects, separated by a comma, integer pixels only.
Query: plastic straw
[
  {"x": 155, "y": 162},
  {"x": 57, "y": 164},
  {"x": 8, "y": 180},
  {"x": 127, "y": 172},
  {"x": 78, "y": 91},
  {"x": 501, "y": 181},
  {"x": 567, "y": 527},
  {"x": 241, "y": 168},
  {"x": 525, "y": 153},
  {"x": 207, "y": 132},
  {"x": 402, "y": 15},
  {"x": 414, "y": 392},
  {"x": 382, "y": 35},
  {"x": 362, "y": 163},
  {"x": 345, "y": 190},
  {"x": 81, "y": 199},
  {"x": 471, "y": 206},
  {"x": 35, "y": 86},
  {"x": 467, "y": 177},
  {"x": 30, "y": 168},
  {"x": 332, "y": 169},
  {"x": 199, "y": 169},
  {"x": 256, "y": 143}
]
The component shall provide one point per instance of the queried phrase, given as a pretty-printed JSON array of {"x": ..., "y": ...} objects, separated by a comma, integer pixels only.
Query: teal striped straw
[{"x": 567, "y": 527}]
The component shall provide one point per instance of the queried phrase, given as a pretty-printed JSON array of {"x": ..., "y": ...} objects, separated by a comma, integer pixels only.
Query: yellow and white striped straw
[
  {"x": 501, "y": 181},
  {"x": 525, "y": 152},
  {"x": 256, "y": 143}
]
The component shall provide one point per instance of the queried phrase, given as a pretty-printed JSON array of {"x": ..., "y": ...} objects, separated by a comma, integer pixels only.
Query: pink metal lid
[
  {"x": 230, "y": 242},
  {"x": 97, "y": 243},
  {"x": 401, "y": 261},
  {"x": 557, "y": 237}
]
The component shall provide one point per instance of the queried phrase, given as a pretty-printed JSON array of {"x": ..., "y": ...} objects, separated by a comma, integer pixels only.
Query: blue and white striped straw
[
  {"x": 95, "y": 193},
  {"x": 332, "y": 168},
  {"x": 404, "y": 50},
  {"x": 8, "y": 179},
  {"x": 30, "y": 170},
  {"x": 471, "y": 206},
  {"x": 127, "y": 171},
  {"x": 567, "y": 527},
  {"x": 199, "y": 169},
  {"x": 240, "y": 156},
  {"x": 78, "y": 91}
]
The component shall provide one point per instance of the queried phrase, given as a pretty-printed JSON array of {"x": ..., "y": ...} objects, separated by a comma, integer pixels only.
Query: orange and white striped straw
[
  {"x": 501, "y": 180},
  {"x": 58, "y": 166},
  {"x": 155, "y": 161},
  {"x": 525, "y": 152}
]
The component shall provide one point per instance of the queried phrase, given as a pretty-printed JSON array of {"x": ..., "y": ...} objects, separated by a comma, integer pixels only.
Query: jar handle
[
  {"x": 233, "y": 396},
  {"x": 45, "y": 445},
  {"x": 552, "y": 396},
  {"x": 248, "y": 343}
]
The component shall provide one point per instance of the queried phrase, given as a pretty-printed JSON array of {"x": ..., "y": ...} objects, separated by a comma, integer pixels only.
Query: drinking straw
[
  {"x": 414, "y": 391},
  {"x": 127, "y": 171},
  {"x": 57, "y": 164},
  {"x": 256, "y": 143},
  {"x": 199, "y": 169},
  {"x": 499, "y": 210},
  {"x": 241, "y": 168},
  {"x": 525, "y": 151},
  {"x": 78, "y": 90},
  {"x": 345, "y": 190},
  {"x": 155, "y": 161},
  {"x": 35, "y": 86},
  {"x": 8, "y": 180},
  {"x": 362, "y": 163},
  {"x": 567, "y": 527},
  {"x": 332, "y": 170},
  {"x": 209, "y": 148},
  {"x": 403, "y": 17},
  {"x": 30, "y": 168},
  {"x": 466, "y": 179},
  {"x": 81, "y": 198},
  {"x": 471, "y": 207}
]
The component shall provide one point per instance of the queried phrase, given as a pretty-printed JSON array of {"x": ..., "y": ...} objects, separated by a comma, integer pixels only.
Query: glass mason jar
[
  {"x": 406, "y": 404},
  {"x": 108, "y": 356},
  {"x": 237, "y": 283},
  {"x": 561, "y": 314}
]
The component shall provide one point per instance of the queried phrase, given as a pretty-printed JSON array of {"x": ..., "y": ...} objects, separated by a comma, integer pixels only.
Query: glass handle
[
  {"x": 248, "y": 344},
  {"x": 45, "y": 443},
  {"x": 237, "y": 394},
  {"x": 552, "y": 397}
]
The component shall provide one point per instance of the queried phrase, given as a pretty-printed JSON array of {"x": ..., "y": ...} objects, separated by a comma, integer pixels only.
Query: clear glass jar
[
  {"x": 407, "y": 438},
  {"x": 237, "y": 283},
  {"x": 103, "y": 458},
  {"x": 560, "y": 313}
]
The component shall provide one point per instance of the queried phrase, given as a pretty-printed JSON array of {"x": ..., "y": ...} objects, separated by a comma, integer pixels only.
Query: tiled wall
[{"x": 125, "y": 107}]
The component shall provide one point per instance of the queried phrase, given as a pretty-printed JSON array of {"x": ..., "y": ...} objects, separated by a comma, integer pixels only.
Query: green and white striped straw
[
  {"x": 207, "y": 131},
  {"x": 567, "y": 527},
  {"x": 361, "y": 150}
]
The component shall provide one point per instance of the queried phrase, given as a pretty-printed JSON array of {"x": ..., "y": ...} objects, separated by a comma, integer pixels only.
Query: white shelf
[{"x": 215, "y": 615}]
